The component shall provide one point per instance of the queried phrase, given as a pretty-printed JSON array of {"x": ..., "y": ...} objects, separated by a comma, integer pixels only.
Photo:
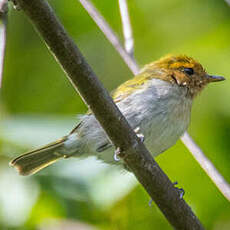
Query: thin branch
[
  {"x": 207, "y": 165},
  {"x": 3, "y": 21},
  {"x": 110, "y": 35},
  {"x": 215, "y": 176},
  {"x": 228, "y": 2},
  {"x": 127, "y": 28},
  {"x": 133, "y": 151}
]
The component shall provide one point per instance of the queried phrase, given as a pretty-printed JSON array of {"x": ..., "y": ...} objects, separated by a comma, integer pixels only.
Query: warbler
[{"x": 157, "y": 104}]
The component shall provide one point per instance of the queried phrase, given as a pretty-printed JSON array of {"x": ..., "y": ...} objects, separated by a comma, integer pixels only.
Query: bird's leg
[
  {"x": 180, "y": 190},
  {"x": 139, "y": 134}
]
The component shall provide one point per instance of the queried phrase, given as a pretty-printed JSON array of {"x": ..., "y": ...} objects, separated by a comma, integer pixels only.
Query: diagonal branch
[
  {"x": 3, "y": 21},
  {"x": 133, "y": 151},
  {"x": 228, "y": 2},
  {"x": 110, "y": 35},
  {"x": 194, "y": 149},
  {"x": 207, "y": 165}
]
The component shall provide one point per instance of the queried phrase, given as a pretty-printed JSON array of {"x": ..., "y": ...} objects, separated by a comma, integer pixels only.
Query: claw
[
  {"x": 140, "y": 135},
  {"x": 116, "y": 154},
  {"x": 180, "y": 190},
  {"x": 150, "y": 202}
]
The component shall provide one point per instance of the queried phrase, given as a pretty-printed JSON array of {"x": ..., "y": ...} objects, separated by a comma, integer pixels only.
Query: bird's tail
[{"x": 34, "y": 161}]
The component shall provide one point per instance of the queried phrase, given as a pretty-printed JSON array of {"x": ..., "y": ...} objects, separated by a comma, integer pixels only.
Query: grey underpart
[{"x": 108, "y": 145}]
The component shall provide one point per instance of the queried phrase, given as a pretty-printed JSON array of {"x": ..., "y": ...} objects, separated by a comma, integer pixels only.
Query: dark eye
[{"x": 189, "y": 71}]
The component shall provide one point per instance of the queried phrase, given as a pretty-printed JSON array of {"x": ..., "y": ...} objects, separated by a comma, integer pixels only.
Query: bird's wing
[
  {"x": 105, "y": 146},
  {"x": 74, "y": 130}
]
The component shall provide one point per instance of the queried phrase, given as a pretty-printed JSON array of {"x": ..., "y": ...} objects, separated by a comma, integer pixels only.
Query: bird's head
[{"x": 183, "y": 71}]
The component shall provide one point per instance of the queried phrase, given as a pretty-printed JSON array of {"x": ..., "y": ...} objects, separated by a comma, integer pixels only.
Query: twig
[
  {"x": 3, "y": 21},
  {"x": 110, "y": 35},
  {"x": 224, "y": 187},
  {"x": 134, "y": 153},
  {"x": 127, "y": 28}
]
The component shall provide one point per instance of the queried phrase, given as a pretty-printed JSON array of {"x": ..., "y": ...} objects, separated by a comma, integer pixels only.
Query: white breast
[{"x": 162, "y": 111}]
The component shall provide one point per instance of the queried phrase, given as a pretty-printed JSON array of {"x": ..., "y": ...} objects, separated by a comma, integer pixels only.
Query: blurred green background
[{"x": 39, "y": 105}]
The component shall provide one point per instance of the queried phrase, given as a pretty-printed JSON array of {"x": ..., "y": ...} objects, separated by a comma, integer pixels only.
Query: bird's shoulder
[{"x": 130, "y": 86}]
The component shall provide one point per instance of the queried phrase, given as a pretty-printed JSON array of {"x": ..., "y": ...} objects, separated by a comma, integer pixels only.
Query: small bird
[{"x": 157, "y": 104}]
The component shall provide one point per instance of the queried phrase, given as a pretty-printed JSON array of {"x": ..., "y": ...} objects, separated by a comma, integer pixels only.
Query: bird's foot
[
  {"x": 116, "y": 154},
  {"x": 180, "y": 190},
  {"x": 139, "y": 135}
]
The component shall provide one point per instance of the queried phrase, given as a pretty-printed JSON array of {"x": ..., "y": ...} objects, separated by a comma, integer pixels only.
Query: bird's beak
[{"x": 212, "y": 78}]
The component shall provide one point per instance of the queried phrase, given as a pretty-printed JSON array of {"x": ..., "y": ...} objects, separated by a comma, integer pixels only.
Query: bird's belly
[{"x": 159, "y": 136}]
